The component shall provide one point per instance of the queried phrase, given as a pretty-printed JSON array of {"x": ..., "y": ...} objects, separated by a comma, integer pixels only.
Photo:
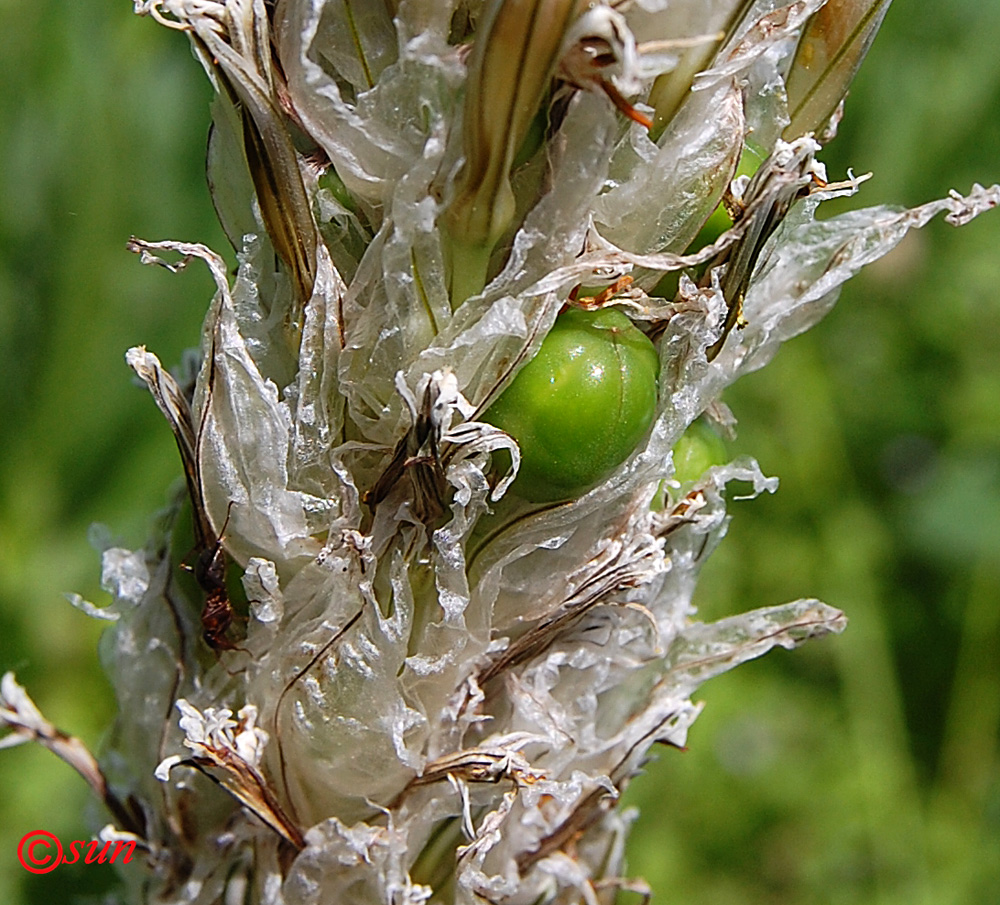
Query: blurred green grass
[{"x": 860, "y": 770}]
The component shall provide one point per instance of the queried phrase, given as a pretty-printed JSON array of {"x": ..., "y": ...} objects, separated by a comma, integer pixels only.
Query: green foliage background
[{"x": 862, "y": 769}]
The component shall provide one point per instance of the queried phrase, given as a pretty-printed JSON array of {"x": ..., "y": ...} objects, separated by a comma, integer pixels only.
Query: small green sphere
[
  {"x": 581, "y": 406},
  {"x": 697, "y": 450}
]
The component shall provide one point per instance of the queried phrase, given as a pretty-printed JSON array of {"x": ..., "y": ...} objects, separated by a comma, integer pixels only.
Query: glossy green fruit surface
[{"x": 581, "y": 406}]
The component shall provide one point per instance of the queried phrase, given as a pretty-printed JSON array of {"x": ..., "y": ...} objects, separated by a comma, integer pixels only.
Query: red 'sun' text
[{"x": 41, "y": 852}]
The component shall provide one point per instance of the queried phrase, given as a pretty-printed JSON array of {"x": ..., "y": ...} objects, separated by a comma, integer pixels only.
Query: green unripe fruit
[
  {"x": 581, "y": 406},
  {"x": 720, "y": 221},
  {"x": 716, "y": 224},
  {"x": 698, "y": 449}
]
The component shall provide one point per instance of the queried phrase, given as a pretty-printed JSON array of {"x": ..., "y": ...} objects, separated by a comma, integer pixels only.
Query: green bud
[
  {"x": 830, "y": 51},
  {"x": 516, "y": 51},
  {"x": 671, "y": 89}
]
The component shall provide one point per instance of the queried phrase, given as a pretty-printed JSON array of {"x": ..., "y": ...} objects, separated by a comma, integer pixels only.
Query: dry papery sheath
[{"x": 428, "y": 688}]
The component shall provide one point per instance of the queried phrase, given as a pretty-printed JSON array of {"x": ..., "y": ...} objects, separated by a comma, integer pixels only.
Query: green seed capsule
[
  {"x": 581, "y": 406},
  {"x": 698, "y": 449},
  {"x": 720, "y": 220}
]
